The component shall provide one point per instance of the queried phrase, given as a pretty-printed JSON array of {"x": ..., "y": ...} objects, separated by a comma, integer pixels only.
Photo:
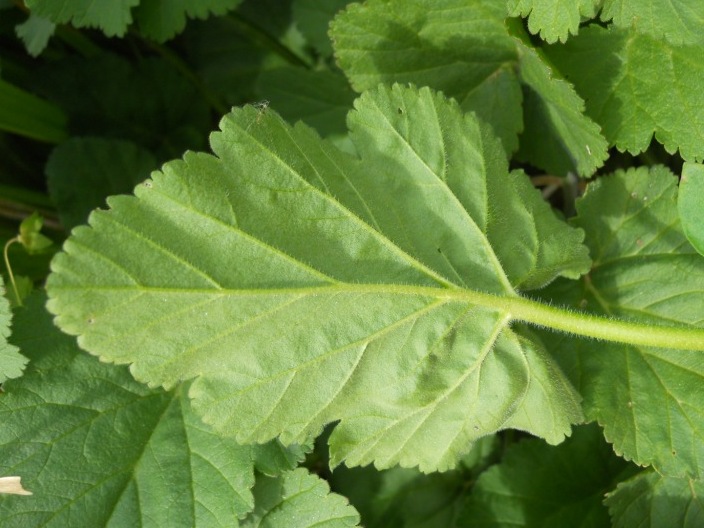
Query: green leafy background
[{"x": 363, "y": 258}]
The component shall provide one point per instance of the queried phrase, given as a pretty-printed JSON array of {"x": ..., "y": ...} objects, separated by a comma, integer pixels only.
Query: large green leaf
[
  {"x": 649, "y": 400},
  {"x": 679, "y": 22},
  {"x": 298, "y": 285},
  {"x": 12, "y": 363},
  {"x": 97, "y": 448},
  {"x": 539, "y": 485},
  {"x": 635, "y": 86},
  {"x": 553, "y": 19},
  {"x": 650, "y": 500}
]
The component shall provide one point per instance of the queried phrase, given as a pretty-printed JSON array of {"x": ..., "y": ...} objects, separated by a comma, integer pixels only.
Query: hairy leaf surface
[
  {"x": 553, "y": 19},
  {"x": 12, "y": 363},
  {"x": 97, "y": 448},
  {"x": 655, "y": 501},
  {"x": 298, "y": 285},
  {"x": 635, "y": 86},
  {"x": 649, "y": 400},
  {"x": 553, "y": 487}
]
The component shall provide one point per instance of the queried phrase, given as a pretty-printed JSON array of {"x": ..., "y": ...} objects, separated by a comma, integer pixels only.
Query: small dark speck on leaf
[{"x": 400, "y": 111}]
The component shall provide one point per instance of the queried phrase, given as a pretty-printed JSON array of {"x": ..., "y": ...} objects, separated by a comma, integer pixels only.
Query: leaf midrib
[{"x": 518, "y": 308}]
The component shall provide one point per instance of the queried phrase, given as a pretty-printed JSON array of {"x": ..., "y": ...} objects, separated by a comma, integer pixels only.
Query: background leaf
[
  {"x": 352, "y": 294},
  {"x": 538, "y": 485},
  {"x": 459, "y": 47},
  {"x": 313, "y": 19},
  {"x": 635, "y": 86},
  {"x": 648, "y": 400},
  {"x": 690, "y": 203},
  {"x": 12, "y": 363},
  {"x": 679, "y": 22},
  {"x": 98, "y": 449},
  {"x": 298, "y": 499},
  {"x": 82, "y": 172},
  {"x": 554, "y": 108},
  {"x": 655, "y": 501},
  {"x": 466, "y": 50}
]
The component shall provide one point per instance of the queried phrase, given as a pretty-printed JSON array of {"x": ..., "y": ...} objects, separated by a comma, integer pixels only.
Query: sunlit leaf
[{"x": 389, "y": 312}]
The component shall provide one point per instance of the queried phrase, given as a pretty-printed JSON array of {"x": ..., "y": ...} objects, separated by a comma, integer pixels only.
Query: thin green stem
[{"x": 9, "y": 269}]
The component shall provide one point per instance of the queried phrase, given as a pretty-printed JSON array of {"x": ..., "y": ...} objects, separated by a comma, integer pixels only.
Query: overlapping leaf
[
  {"x": 298, "y": 499},
  {"x": 635, "y": 86},
  {"x": 12, "y": 363},
  {"x": 655, "y": 501},
  {"x": 553, "y": 19},
  {"x": 539, "y": 485},
  {"x": 553, "y": 108},
  {"x": 298, "y": 285},
  {"x": 649, "y": 400},
  {"x": 98, "y": 449},
  {"x": 464, "y": 49}
]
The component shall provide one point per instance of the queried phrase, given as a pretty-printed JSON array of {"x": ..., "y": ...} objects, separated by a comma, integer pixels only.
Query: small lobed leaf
[
  {"x": 690, "y": 203},
  {"x": 12, "y": 363},
  {"x": 112, "y": 18},
  {"x": 678, "y": 22},
  {"x": 656, "y": 501},
  {"x": 157, "y": 19},
  {"x": 98, "y": 449},
  {"x": 539, "y": 485},
  {"x": 286, "y": 282},
  {"x": 35, "y": 33},
  {"x": 553, "y": 19},
  {"x": 649, "y": 400},
  {"x": 635, "y": 86},
  {"x": 298, "y": 499}
]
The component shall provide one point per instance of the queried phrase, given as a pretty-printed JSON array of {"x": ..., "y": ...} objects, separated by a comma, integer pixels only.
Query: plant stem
[{"x": 9, "y": 269}]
